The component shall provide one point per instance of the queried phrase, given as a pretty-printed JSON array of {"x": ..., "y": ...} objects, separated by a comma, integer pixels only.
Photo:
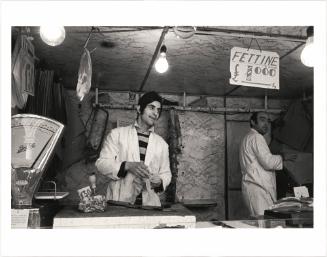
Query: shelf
[
  {"x": 50, "y": 195},
  {"x": 200, "y": 203}
]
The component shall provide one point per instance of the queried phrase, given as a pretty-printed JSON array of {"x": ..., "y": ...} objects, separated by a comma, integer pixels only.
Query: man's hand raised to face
[{"x": 139, "y": 169}]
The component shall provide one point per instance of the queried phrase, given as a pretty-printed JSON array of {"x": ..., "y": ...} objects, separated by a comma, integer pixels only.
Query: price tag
[
  {"x": 19, "y": 218},
  {"x": 301, "y": 191}
]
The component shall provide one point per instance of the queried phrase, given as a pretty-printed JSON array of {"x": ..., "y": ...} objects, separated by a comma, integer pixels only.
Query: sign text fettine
[{"x": 254, "y": 68}]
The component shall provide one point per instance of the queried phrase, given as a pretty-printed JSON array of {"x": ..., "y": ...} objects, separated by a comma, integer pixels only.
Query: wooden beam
[
  {"x": 291, "y": 51},
  {"x": 154, "y": 56},
  {"x": 229, "y": 92},
  {"x": 212, "y": 31}
]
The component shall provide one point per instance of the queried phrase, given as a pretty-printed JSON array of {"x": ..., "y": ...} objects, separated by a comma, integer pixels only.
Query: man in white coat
[
  {"x": 135, "y": 158},
  {"x": 258, "y": 166}
]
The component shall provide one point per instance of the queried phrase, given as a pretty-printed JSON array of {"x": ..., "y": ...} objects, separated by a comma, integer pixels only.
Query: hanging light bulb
[
  {"x": 52, "y": 35},
  {"x": 307, "y": 55},
  {"x": 162, "y": 64}
]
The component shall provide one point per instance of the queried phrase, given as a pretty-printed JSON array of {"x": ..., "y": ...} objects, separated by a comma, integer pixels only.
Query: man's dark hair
[
  {"x": 149, "y": 97},
  {"x": 254, "y": 118}
]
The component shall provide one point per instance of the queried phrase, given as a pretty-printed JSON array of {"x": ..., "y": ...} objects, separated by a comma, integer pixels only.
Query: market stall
[{"x": 211, "y": 80}]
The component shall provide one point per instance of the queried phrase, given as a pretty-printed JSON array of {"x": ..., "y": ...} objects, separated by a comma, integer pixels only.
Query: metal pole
[
  {"x": 226, "y": 165},
  {"x": 218, "y": 110}
]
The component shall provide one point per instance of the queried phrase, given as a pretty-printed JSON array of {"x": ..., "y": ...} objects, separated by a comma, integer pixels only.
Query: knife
[{"x": 137, "y": 206}]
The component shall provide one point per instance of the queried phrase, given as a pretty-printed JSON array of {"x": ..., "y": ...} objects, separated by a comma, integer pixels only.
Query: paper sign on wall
[{"x": 254, "y": 68}]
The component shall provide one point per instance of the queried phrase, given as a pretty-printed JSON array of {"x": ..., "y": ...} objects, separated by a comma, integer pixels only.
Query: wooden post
[{"x": 175, "y": 142}]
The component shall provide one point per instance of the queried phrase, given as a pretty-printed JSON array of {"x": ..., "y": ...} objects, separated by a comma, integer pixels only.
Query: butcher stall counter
[{"x": 176, "y": 216}]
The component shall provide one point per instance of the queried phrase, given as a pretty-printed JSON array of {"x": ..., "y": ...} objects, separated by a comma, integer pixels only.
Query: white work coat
[
  {"x": 258, "y": 167},
  {"x": 122, "y": 145}
]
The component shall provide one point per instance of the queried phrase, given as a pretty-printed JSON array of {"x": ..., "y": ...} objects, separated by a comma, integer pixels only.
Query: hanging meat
[{"x": 84, "y": 75}]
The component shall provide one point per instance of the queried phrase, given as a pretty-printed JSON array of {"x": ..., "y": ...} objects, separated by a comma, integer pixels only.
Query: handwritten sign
[{"x": 254, "y": 68}]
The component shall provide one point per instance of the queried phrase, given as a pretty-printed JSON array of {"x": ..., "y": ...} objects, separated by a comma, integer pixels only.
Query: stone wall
[{"x": 201, "y": 168}]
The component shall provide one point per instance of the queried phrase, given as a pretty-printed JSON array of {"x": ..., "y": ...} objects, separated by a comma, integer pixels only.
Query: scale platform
[{"x": 50, "y": 195}]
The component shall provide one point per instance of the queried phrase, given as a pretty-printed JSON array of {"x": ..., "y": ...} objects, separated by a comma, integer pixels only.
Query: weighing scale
[{"x": 33, "y": 141}]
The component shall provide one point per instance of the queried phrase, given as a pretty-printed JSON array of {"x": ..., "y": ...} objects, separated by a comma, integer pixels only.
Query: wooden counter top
[{"x": 123, "y": 217}]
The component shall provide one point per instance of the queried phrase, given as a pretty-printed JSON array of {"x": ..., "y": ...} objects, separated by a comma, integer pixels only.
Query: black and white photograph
[{"x": 141, "y": 131}]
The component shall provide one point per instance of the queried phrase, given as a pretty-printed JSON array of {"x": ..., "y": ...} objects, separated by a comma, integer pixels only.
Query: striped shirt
[{"x": 143, "y": 144}]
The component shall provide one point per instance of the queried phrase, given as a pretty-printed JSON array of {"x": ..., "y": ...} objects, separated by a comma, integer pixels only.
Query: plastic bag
[
  {"x": 22, "y": 66},
  {"x": 84, "y": 75},
  {"x": 151, "y": 198}
]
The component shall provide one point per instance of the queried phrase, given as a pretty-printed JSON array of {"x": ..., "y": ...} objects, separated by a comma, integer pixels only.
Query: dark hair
[
  {"x": 149, "y": 97},
  {"x": 254, "y": 118}
]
